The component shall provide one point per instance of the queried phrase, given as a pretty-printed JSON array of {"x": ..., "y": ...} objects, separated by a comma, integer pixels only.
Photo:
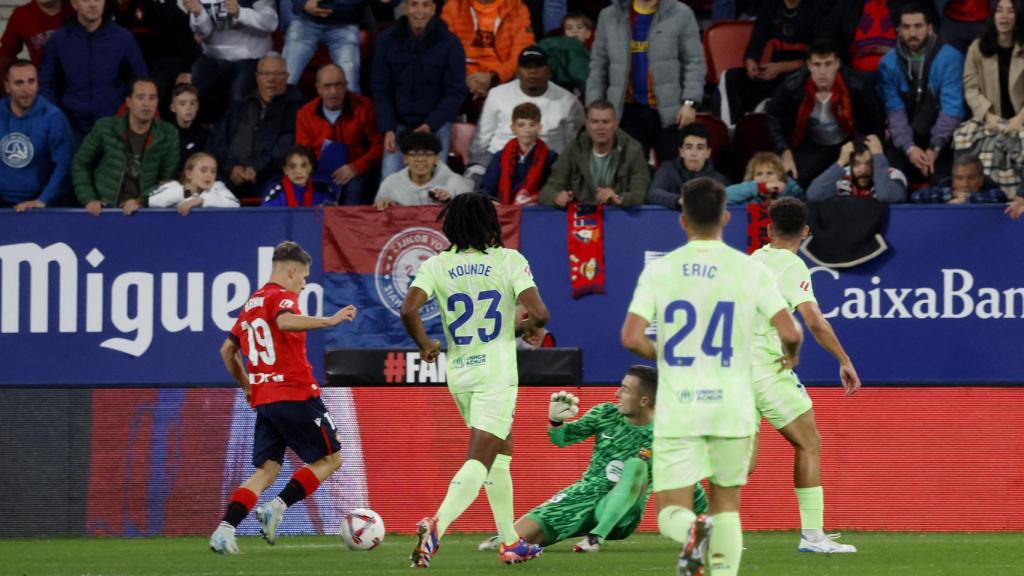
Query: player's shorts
[
  {"x": 682, "y": 462},
  {"x": 490, "y": 410},
  {"x": 571, "y": 513},
  {"x": 304, "y": 426},
  {"x": 781, "y": 398}
]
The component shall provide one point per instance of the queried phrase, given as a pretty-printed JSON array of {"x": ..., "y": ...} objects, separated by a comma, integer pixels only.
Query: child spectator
[
  {"x": 191, "y": 135},
  {"x": 517, "y": 174},
  {"x": 423, "y": 181},
  {"x": 297, "y": 188},
  {"x": 764, "y": 181},
  {"x": 198, "y": 186},
  {"x": 569, "y": 55}
]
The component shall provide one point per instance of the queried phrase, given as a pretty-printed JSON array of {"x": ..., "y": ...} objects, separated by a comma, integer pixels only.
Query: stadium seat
[
  {"x": 724, "y": 44},
  {"x": 719, "y": 140},
  {"x": 462, "y": 135},
  {"x": 699, "y": 5},
  {"x": 750, "y": 137}
]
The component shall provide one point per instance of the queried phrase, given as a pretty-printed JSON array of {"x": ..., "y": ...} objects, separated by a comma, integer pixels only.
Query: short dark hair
[
  {"x": 914, "y": 7},
  {"x": 471, "y": 221},
  {"x": 969, "y": 160},
  {"x": 703, "y": 202},
  {"x": 413, "y": 141},
  {"x": 588, "y": 23},
  {"x": 185, "y": 88},
  {"x": 599, "y": 105},
  {"x": 142, "y": 80},
  {"x": 823, "y": 47},
  {"x": 298, "y": 150},
  {"x": 789, "y": 216},
  {"x": 860, "y": 145},
  {"x": 289, "y": 251},
  {"x": 19, "y": 63},
  {"x": 526, "y": 111},
  {"x": 648, "y": 377},
  {"x": 695, "y": 129}
]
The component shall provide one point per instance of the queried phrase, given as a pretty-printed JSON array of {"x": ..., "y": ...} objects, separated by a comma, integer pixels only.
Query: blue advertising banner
[
  {"x": 148, "y": 299},
  {"x": 145, "y": 299}
]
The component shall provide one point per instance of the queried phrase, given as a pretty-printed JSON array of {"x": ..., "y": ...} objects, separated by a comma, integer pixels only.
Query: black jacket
[{"x": 274, "y": 134}]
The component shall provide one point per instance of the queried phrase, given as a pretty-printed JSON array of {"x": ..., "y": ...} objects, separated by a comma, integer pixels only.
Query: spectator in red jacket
[
  {"x": 340, "y": 127},
  {"x": 30, "y": 26}
]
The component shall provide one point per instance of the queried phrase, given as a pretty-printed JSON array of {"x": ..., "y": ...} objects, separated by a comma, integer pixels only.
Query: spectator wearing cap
[
  {"x": 493, "y": 33},
  {"x": 561, "y": 111},
  {"x": 648, "y": 62},
  {"x": 339, "y": 118},
  {"x": 693, "y": 161},
  {"x": 424, "y": 181},
  {"x": 418, "y": 80}
]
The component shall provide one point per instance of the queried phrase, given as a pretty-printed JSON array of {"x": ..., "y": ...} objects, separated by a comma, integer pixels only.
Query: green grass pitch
[{"x": 767, "y": 554}]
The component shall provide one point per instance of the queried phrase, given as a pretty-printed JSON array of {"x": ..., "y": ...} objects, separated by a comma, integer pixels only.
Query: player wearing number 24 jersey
[
  {"x": 705, "y": 298},
  {"x": 477, "y": 283},
  {"x": 266, "y": 355}
]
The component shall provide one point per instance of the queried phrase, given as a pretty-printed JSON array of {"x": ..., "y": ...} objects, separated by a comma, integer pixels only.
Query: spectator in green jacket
[
  {"x": 124, "y": 157},
  {"x": 603, "y": 165}
]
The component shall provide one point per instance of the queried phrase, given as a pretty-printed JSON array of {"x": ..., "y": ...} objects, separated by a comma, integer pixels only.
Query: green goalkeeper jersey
[
  {"x": 615, "y": 441},
  {"x": 794, "y": 281},
  {"x": 477, "y": 294}
]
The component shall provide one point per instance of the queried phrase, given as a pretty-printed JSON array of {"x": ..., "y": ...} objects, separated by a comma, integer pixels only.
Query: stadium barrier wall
[{"x": 114, "y": 420}]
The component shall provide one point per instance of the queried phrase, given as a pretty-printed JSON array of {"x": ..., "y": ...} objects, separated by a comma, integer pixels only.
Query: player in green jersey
[
  {"x": 779, "y": 396},
  {"x": 608, "y": 502},
  {"x": 705, "y": 298},
  {"x": 477, "y": 283}
]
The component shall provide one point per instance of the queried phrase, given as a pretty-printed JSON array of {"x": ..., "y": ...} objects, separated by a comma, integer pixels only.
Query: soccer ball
[{"x": 362, "y": 529}]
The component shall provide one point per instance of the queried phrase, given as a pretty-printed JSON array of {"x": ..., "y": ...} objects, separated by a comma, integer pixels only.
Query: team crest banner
[{"x": 370, "y": 260}]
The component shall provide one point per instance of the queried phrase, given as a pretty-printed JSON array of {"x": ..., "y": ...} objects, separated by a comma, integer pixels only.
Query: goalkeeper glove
[{"x": 564, "y": 405}]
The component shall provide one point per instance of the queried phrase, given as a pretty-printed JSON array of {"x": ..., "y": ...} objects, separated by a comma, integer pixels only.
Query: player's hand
[
  {"x": 346, "y": 314},
  {"x": 848, "y": 377},
  {"x": 430, "y": 353},
  {"x": 563, "y": 405},
  {"x": 788, "y": 362}
]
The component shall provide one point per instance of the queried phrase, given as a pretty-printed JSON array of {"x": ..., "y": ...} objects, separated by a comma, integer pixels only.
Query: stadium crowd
[{"x": 219, "y": 103}]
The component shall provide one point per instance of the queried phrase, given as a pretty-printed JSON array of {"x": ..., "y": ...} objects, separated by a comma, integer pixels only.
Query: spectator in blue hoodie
[
  {"x": 88, "y": 67},
  {"x": 35, "y": 143},
  {"x": 418, "y": 80},
  {"x": 334, "y": 23}
]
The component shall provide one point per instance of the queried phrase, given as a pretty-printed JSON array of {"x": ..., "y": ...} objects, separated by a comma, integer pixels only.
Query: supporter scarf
[
  {"x": 758, "y": 219},
  {"x": 529, "y": 191},
  {"x": 842, "y": 108},
  {"x": 586, "y": 249},
  {"x": 289, "y": 193}
]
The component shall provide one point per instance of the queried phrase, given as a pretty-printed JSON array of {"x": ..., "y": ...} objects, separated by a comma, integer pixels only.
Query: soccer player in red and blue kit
[{"x": 270, "y": 334}]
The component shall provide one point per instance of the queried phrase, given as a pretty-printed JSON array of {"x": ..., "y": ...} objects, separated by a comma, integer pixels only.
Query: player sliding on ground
[
  {"x": 608, "y": 502},
  {"x": 477, "y": 283},
  {"x": 705, "y": 299},
  {"x": 271, "y": 334},
  {"x": 779, "y": 396}
]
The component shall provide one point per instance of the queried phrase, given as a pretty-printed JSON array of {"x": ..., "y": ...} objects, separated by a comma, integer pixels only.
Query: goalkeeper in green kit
[{"x": 608, "y": 502}]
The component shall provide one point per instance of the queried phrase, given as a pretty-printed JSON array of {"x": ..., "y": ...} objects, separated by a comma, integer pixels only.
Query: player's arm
[
  {"x": 570, "y": 433},
  {"x": 537, "y": 312},
  {"x": 414, "y": 300},
  {"x": 822, "y": 331},
  {"x": 291, "y": 322},
  {"x": 791, "y": 335},
  {"x": 634, "y": 337},
  {"x": 232, "y": 357}
]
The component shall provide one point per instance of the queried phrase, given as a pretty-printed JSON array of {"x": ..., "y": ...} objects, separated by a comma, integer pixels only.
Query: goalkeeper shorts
[{"x": 571, "y": 513}]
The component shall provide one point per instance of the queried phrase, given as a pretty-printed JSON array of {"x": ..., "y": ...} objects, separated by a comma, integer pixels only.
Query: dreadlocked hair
[{"x": 470, "y": 221}]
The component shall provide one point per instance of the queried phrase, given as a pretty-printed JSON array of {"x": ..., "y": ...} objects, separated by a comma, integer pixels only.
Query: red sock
[
  {"x": 242, "y": 501},
  {"x": 302, "y": 484}
]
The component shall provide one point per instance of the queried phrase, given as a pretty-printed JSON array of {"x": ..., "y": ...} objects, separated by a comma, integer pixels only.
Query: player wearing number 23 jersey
[
  {"x": 266, "y": 355},
  {"x": 477, "y": 283}
]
